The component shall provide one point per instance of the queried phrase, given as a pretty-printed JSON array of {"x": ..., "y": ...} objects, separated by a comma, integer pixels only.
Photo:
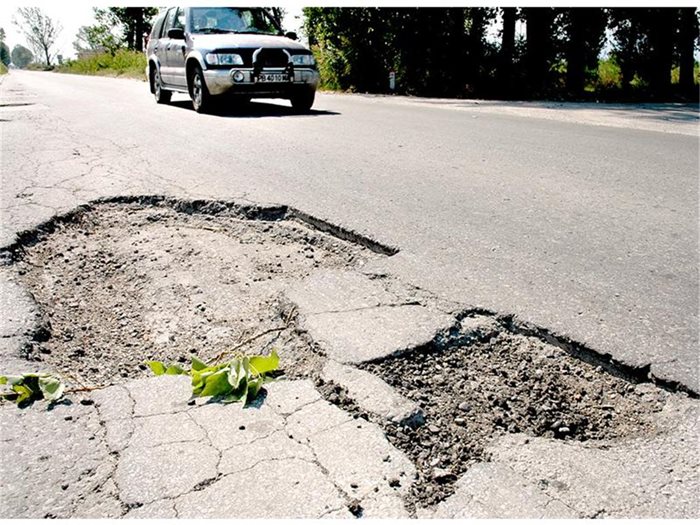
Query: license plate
[{"x": 273, "y": 77}]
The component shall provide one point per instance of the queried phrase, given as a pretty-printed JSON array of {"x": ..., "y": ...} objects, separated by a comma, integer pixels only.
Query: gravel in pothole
[
  {"x": 473, "y": 393},
  {"x": 123, "y": 284}
]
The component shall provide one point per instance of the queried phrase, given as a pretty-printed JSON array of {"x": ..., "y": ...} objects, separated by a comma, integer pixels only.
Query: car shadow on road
[{"x": 254, "y": 109}]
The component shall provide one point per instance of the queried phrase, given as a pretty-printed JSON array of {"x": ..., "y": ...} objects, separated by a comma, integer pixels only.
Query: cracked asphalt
[{"x": 579, "y": 220}]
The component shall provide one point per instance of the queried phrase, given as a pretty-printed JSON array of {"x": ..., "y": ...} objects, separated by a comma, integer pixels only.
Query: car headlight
[
  {"x": 224, "y": 59},
  {"x": 303, "y": 60}
]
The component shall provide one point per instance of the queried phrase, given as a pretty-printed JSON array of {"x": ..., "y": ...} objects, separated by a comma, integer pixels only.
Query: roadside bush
[
  {"x": 123, "y": 63},
  {"x": 609, "y": 74},
  {"x": 3, "y": 69},
  {"x": 36, "y": 66}
]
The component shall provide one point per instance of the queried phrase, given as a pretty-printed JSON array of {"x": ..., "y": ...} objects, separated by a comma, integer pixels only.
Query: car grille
[
  {"x": 265, "y": 58},
  {"x": 271, "y": 58}
]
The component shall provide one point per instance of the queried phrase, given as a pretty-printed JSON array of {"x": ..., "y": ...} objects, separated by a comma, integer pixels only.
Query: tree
[
  {"x": 505, "y": 69},
  {"x": 540, "y": 51},
  {"x": 4, "y": 50},
  {"x": 40, "y": 30},
  {"x": 5, "y": 54},
  {"x": 100, "y": 36},
  {"x": 687, "y": 37},
  {"x": 135, "y": 21},
  {"x": 21, "y": 56},
  {"x": 660, "y": 61},
  {"x": 585, "y": 31}
]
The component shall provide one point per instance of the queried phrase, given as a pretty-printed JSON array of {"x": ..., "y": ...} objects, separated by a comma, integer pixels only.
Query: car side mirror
[
  {"x": 176, "y": 33},
  {"x": 291, "y": 35}
]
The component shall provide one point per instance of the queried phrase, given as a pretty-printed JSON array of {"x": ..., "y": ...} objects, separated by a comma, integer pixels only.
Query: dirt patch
[
  {"x": 472, "y": 393},
  {"x": 121, "y": 284}
]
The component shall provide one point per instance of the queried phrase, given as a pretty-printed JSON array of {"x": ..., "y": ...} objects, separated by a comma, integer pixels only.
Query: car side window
[
  {"x": 180, "y": 19},
  {"x": 158, "y": 27},
  {"x": 169, "y": 21}
]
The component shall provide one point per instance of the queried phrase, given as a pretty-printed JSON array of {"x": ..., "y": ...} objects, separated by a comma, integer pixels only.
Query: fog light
[{"x": 238, "y": 76}]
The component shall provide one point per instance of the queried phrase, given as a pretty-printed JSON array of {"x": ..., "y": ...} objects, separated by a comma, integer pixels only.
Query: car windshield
[{"x": 230, "y": 20}]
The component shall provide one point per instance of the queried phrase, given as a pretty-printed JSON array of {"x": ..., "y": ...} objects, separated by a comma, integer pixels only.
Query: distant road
[{"x": 583, "y": 220}]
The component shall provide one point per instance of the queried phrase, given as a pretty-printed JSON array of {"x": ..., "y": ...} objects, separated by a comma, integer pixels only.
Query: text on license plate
[{"x": 273, "y": 77}]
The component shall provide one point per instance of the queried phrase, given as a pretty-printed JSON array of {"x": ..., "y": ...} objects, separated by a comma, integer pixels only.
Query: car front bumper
[{"x": 220, "y": 81}]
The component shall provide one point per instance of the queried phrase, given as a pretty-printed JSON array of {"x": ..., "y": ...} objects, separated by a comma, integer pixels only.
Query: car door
[
  {"x": 176, "y": 51},
  {"x": 164, "y": 45}
]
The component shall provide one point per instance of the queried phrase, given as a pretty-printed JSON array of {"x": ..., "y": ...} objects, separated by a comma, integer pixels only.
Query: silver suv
[{"x": 211, "y": 51}]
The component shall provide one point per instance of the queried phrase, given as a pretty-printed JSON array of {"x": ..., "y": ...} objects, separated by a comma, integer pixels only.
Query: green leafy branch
[
  {"x": 240, "y": 379},
  {"x": 27, "y": 388}
]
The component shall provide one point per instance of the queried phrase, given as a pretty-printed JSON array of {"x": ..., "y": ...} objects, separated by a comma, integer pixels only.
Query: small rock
[
  {"x": 564, "y": 430},
  {"x": 433, "y": 429},
  {"x": 465, "y": 407},
  {"x": 442, "y": 474},
  {"x": 394, "y": 482}
]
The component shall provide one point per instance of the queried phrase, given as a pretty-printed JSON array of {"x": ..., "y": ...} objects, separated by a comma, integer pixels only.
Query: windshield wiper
[
  {"x": 250, "y": 32},
  {"x": 215, "y": 30}
]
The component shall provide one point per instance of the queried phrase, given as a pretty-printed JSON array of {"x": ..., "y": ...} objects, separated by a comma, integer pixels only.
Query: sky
[{"x": 76, "y": 13}]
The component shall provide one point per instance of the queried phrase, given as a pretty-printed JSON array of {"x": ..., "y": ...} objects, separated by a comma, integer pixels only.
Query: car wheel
[
  {"x": 303, "y": 100},
  {"x": 161, "y": 95},
  {"x": 201, "y": 99}
]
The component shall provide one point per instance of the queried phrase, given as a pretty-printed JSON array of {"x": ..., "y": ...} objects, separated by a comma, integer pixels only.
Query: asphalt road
[{"x": 579, "y": 219}]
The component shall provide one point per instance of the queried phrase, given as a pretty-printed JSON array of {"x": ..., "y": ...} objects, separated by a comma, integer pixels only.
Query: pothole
[
  {"x": 124, "y": 283},
  {"x": 472, "y": 392},
  {"x": 120, "y": 283}
]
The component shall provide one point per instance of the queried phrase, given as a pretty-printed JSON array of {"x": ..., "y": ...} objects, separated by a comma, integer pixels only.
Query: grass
[
  {"x": 3, "y": 69},
  {"x": 124, "y": 63}
]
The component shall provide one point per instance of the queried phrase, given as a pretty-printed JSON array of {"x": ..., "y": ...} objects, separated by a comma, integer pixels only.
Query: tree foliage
[
  {"x": 135, "y": 23},
  {"x": 40, "y": 30},
  {"x": 101, "y": 36},
  {"x": 21, "y": 56},
  {"x": 5, "y": 54},
  {"x": 446, "y": 52}
]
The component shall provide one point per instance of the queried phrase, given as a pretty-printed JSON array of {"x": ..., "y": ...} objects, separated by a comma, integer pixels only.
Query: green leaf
[
  {"x": 10, "y": 380},
  {"x": 199, "y": 377},
  {"x": 51, "y": 387},
  {"x": 24, "y": 393},
  {"x": 198, "y": 364},
  {"x": 261, "y": 365},
  {"x": 174, "y": 370},
  {"x": 157, "y": 367},
  {"x": 216, "y": 384},
  {"x": 237, "y": 372},
  {"x": 254, "y": 386}
]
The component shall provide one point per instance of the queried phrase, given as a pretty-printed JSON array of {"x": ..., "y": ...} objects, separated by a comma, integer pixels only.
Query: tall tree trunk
[
  {"x": 138, "y": 37},
  {"x": 687, "y": 37},
  {"x": 576, "y": 52},
  {"x": 475, "y": 45},
  {"x": 538, "y": 29},
  {"x": 505, "y": 74},
  {"x": 661, "y": 38}
]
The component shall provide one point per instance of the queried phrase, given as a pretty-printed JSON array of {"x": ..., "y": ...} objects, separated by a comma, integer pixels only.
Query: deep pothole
[
  {"x": 473, "y": 392},
  {"x": 122, "y": 284}
]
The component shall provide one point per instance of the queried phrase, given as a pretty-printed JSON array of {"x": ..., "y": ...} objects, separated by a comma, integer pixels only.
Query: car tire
[
  {"x": 161, "y": 95},
  {"x": 303, "y": 100},
  {"x": 202, "y": 100}
]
